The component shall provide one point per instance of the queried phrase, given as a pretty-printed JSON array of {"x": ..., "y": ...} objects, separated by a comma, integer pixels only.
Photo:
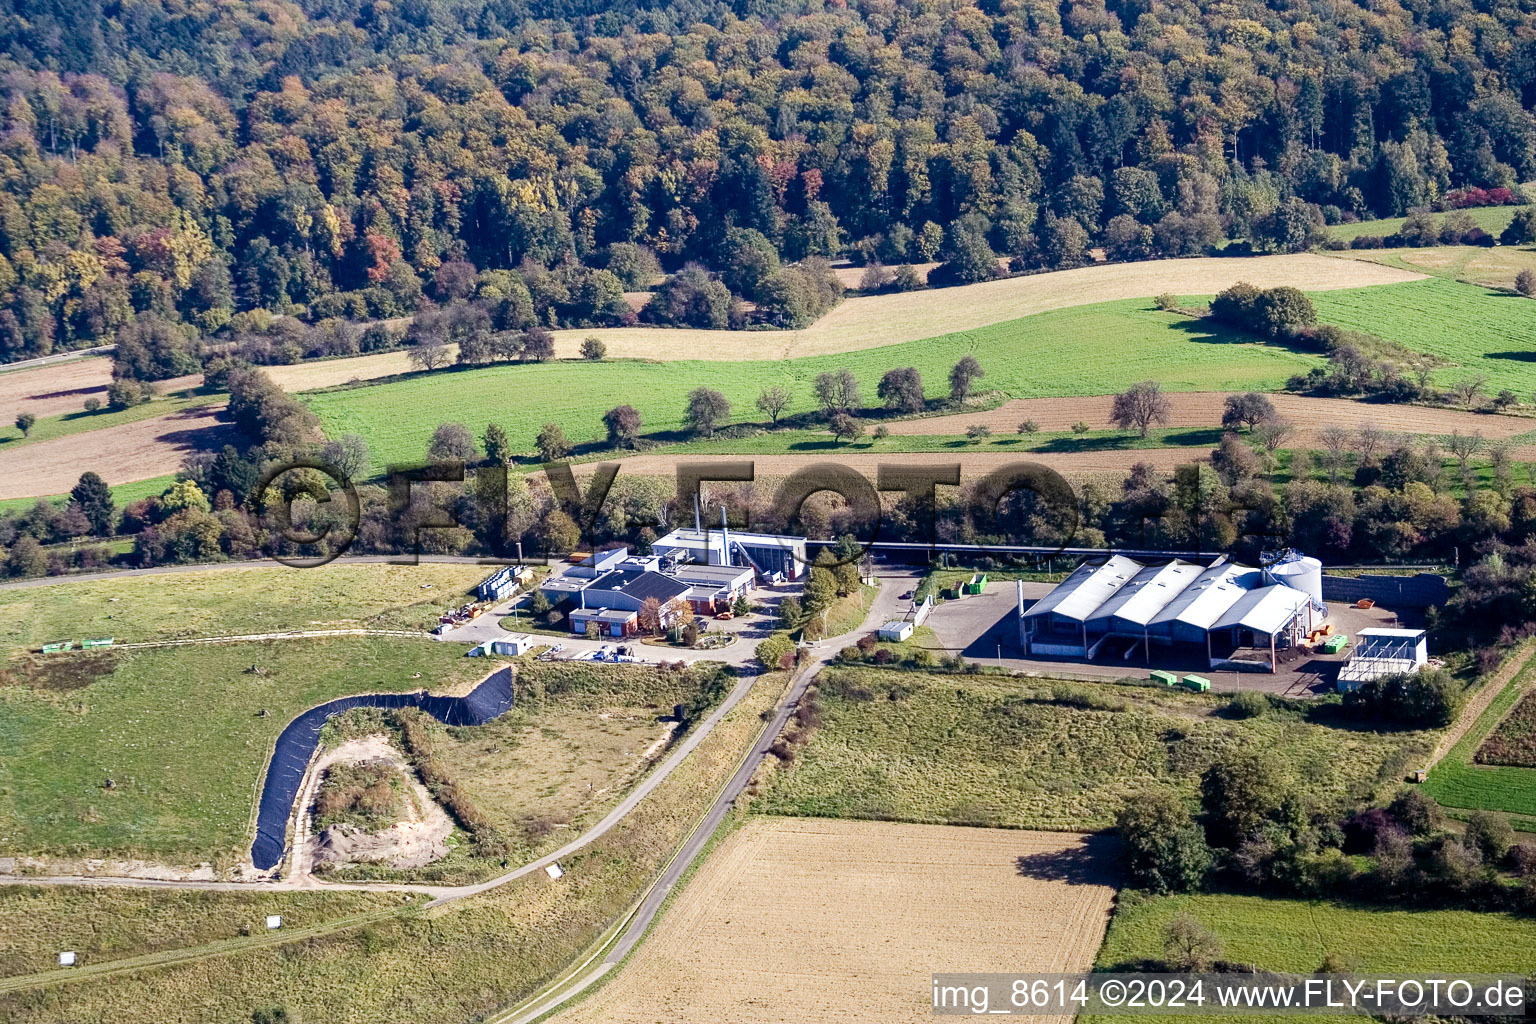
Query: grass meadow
[
  {"x": 1294, "y": 935},
  {"x": 1482, "y": 331},
  {"x": 234, "y": 602},
  {"x": 456, "y": 964},
  {"x": 981, "y": 750},
  {"x": 180, "y": 733},
  {"x": 99, "y": 924},
  {"x": 1457, "y": 781},
  {"x": 122, "y": 494},
  {"x": 1087, "y": 350},
  {"x": 1492, "y": 219}
]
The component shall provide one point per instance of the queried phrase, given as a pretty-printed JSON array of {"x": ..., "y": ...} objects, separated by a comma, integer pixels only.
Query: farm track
[{"x": 1479, "y": 703}]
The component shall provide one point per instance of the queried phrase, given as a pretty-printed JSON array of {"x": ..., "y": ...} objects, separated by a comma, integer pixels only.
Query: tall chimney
[{"x": 725, "y": 539}]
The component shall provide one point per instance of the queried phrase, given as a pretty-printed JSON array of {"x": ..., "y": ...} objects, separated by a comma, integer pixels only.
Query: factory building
[{"x": 1120, "y": 609}]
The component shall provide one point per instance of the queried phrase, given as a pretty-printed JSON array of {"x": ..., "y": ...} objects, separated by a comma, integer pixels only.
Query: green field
[
  {"x": 1482, "y": 331},
  {"x": 1087, "y": 350},
  {"x": 49, "y": 427},
  {"x": 444, "y": 968},
  {"x": 1492, "y": 219},
  {"x": 986, "y": 750},
  {"x": 122, "y": 494},
  {"x": 180, "y": 733},
  {"x": 234, "y": 602},
  {"x": 1295, "y": 935},
  {"x": 1458, "y": 782},
  {"x": 107, "y": 923}
]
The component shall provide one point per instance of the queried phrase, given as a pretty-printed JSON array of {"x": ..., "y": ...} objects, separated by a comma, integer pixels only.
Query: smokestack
[
  {"x": 697, "y": 525},
  {"x": 725, "y": 543}
]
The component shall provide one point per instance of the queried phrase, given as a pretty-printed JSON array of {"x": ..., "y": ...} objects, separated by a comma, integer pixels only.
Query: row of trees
[{"x": 341, "y": 167}]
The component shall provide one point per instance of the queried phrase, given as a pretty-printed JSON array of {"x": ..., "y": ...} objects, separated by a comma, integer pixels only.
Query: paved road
[{"x": 887, "y": 605}]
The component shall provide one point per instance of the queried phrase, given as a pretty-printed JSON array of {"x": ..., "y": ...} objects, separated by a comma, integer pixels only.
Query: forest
[{"x": 208, "y": 164}]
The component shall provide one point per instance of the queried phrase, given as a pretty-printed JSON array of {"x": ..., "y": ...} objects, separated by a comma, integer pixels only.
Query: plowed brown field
[
  {"x": 130, "y": 451},
  {"x": 794, "y": 921},
  {"x": 54, "y": 390},
  {"x": 1203, "y": 409}
]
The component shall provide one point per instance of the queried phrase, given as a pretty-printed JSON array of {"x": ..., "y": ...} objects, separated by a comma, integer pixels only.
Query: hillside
[{"x": 173, "y": 166}]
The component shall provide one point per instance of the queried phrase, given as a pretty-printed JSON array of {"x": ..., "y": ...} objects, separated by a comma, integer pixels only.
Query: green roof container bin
[
  {"x": 1335, "y": 643},
  {"x": 58, "y": 645},
  {"x": 1166, "y": 678},
  {"x": 1199, "y": 684},
  {"x": 100, "y": 641}
]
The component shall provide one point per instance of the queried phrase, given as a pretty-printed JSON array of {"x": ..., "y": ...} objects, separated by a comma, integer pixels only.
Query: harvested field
[
  {"x": 1203, "y": 409},
  {"x": 972, "y": 463},
  {"x": 130, "y": 451},
  {"x": 763, "y": 934},
  {"x": 871, "y": 321},
  {"x": 59, "y": 388},
  {"x": 1495, "y": 267}
]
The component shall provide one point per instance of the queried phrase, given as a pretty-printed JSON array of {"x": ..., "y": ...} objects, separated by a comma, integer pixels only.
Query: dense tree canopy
[{"x": 198, "y": 160}]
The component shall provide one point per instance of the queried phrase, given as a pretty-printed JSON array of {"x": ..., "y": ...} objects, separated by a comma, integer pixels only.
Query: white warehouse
[{"x": 1122, "y": 608}]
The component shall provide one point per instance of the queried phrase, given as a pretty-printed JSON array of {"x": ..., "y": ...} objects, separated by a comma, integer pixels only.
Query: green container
[
  {"x": 1166, "y": 678},
  {"x": 100, "y": 641},
  {"x": 58, "y": 645},
  {"x": 978, "y": 580},
  {"x": 1336, "y": 643},
  {"x": 1199, "y": 684}
]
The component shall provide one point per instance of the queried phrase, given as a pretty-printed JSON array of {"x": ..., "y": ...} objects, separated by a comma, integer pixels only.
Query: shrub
[
  {"x": 1028, "y": 427},
  {"x": 772, "y": 649},
  {"x": 1167, "y": 301},
  {"x": 92, "y": 404},
  {"x": 1525, "y": 283},
  {"x": 1080, "y": 427},
  {"x": 593, "y": 349},
  {"x": 1164, "y": 848},
  {"x": 1248, "y": 704}
]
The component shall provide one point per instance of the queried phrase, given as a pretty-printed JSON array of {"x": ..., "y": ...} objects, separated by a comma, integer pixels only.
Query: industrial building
[
  {"x": 1382, "y": 652},
  {"x": 1233, "y": 614},
  {"x": 769, "y": 554}
]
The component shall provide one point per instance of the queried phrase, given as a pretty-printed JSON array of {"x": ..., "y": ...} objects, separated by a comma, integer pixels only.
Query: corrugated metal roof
[
  {"x": 1079, "y": 595},
  {"x": 1265, "y": 610},
  {"x": 1206, "y": 599},
  {"x": 1148, "y": 593}
]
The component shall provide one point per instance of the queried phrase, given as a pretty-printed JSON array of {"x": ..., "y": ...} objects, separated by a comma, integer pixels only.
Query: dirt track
[
  {"x": 1203, "y": 409},
  {"x": 132, "y": 451},
  {"x": 763, "y": 933}
]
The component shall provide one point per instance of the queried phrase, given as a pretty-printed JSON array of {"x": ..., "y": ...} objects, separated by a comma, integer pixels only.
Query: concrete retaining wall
[{"x": 1417, "y": 591}]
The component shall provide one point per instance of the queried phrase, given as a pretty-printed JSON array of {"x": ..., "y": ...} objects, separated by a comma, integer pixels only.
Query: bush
[
  {"x": 1248, "y": 704},
  {"x": 1525, "y": 283},
  {"x": 1165, "y": 850},
  {"x": 771, "y": 650}
]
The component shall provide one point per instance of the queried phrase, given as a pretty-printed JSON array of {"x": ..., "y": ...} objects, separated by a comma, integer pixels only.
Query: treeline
[
  {"x": 1257, "y": 828},
  {"x": 343, "y": 166}
]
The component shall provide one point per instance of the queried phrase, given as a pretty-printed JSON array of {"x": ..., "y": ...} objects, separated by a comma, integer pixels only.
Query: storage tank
[{"x": 1303, "y": 572}]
